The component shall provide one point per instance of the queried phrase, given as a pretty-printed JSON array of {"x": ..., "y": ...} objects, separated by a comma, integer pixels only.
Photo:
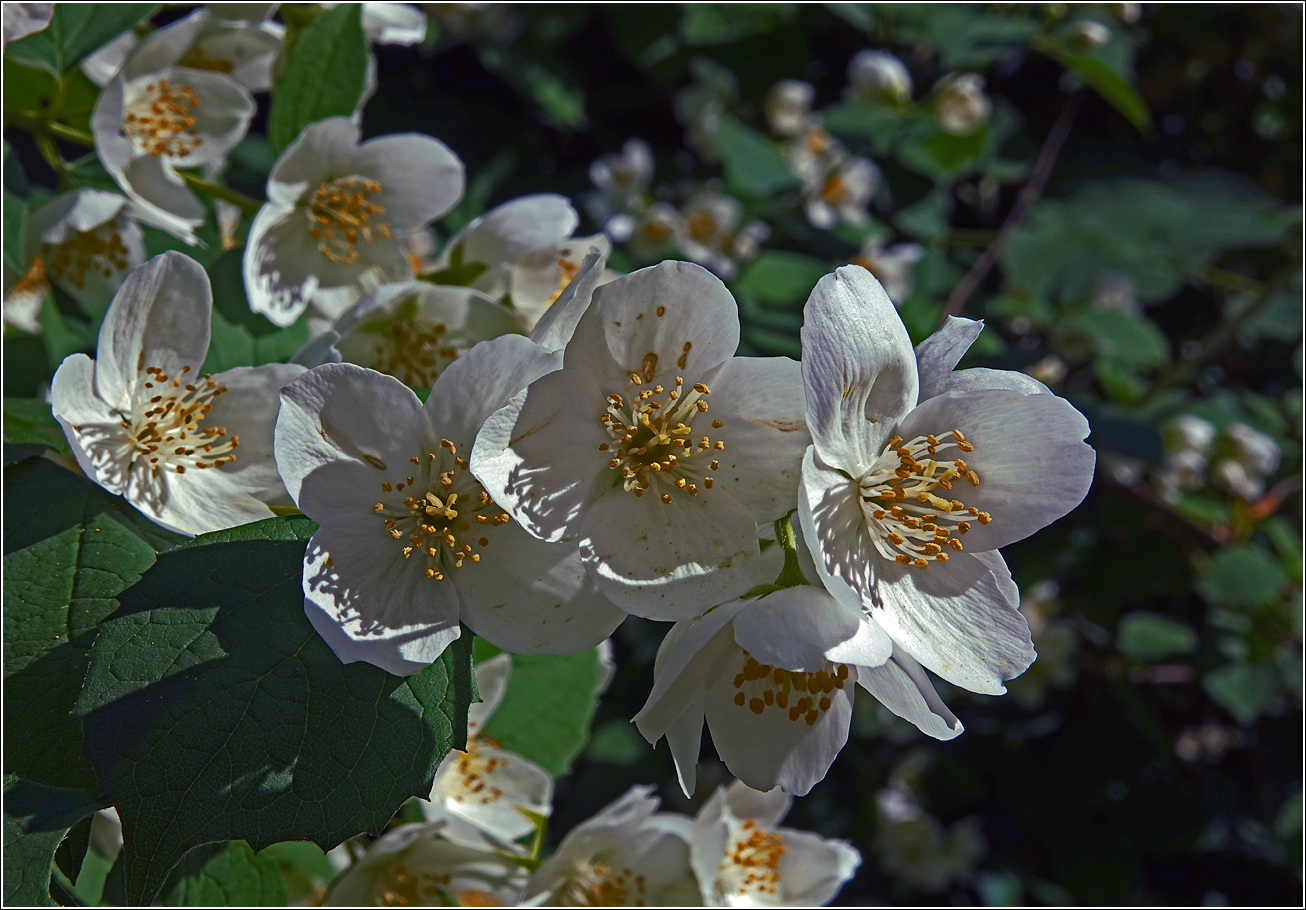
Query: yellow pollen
[
  {"x": 160, "y": 120},
  {"x": 342, "y": 213},
  {"x": 100, "y": 249},
  {"x": 762, "y": 687}
]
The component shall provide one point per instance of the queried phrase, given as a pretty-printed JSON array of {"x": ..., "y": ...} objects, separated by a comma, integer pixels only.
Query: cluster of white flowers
[
  {"x": 1236, "y": 460},
  {"x": 498, "y": 433}
]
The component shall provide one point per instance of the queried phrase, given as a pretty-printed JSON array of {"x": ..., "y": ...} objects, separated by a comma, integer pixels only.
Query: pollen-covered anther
[
  {"x": 164, "y": 427},
  {"x": 652, "y": 437},
  {"x": 752, "y": 860},
  {"x": 160, "y": 120},
  {"x": 909, "y": 522},
  {"x": 443, "y": 523},
  {"x": 342, "y": 214},
  {"x": 798, "y": 696},
  {"x": 101, "y": 250}
]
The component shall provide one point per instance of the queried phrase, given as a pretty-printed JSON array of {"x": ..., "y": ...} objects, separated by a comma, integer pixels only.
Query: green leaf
[
  {"x": 15, "y": 217},
  {"x": 545, "y": 714},
  {"x": 30, "y": 421},
  {"x": 752, "y": 165},
  {"x": 70, "y": 549},
  {"x": 778, "y": 278},
  {"x": 1244, "y": 576},
  {"x": 76, "y": 30},
  {"x": 324, "y": 76},
  {"x": 723, "y": 23},
  {"x": 36, "y": 819},
  {"x": 214, "y": 711},
  {"x": 304, "y": 868},
  {"x": 1149, "y": 636},
  {"x": 1114, "y": 88},
  {"x": 618, "y": 743},
  {"x": 240, "y": 336},
  {"x": 1244, "y": 690},
  {"x": 225, "y": 875}
]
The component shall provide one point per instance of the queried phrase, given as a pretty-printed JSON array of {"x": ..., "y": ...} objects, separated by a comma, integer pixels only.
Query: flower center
[
  {"x": 594, "y": 883},
  {"x": 701, "y": 225},
  {"x": 412, "y": 350},
  {"x": 160, "y": 120},
  {"x": 909, "y": 522},
  {"x": 566, "y": 272},
  {"x": 444, "y": 523},
  {"x": 651, "y": 441},
  {"x": 342, "y": 213},
  {"x": 751, "y": 861},
  {"x": 835, "y": 188},
  {"x": 164, "y": 429},
  {"x": 804, "y": 696},
  {"x": 101, "y": 249},
  {"x": 401, "y": 888},
  {"x": 472, "y": 770},
  {"x": 817, "y": 142}
]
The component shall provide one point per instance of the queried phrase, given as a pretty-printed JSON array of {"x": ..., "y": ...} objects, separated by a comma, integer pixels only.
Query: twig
[{"x": 1047, "y": 159}]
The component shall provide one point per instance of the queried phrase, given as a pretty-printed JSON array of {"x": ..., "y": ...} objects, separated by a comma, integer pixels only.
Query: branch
[{"x": 1047, "y": 159}]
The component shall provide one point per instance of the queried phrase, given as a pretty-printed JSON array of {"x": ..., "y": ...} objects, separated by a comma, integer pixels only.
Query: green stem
[
  {"x": 791, "y": 575},
  {"x": 43, "y": 130}
]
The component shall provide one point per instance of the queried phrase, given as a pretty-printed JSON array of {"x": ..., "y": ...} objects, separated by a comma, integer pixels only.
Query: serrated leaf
[
  {"x": 225, "y": 875},
  {"x": 214, "y": 711},
  {"x": 324, "y": 76},
  {"x": 1149, "y": 636},
  {"x": 76, "y": 30},
  {"x": 778, "y": 277},
  {"x": 545, "y": 714},
  {"x": 70, "y": 549},
  {"x": 752, "y": 165},
  {"x": 36, "y": 819}
]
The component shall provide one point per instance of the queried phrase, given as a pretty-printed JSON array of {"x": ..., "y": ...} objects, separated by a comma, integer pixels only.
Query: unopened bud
[
  {"x": 879, "y": 78},
  {"x": 960, "y": 105}
]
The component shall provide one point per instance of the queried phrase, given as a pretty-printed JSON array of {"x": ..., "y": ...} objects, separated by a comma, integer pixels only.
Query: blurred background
[{"x": 1116, "y": 190}]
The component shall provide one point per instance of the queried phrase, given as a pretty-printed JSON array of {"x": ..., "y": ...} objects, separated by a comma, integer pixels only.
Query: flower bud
[
  {"x": 789, "y": 106},
  {"x": 878, "y": 77},
  {"x": 960, "y": 105},
  {"x": 1089, "y": 35},
  {"x": 1255, "y": 451},
  {"x": 1188, "y": 432}
]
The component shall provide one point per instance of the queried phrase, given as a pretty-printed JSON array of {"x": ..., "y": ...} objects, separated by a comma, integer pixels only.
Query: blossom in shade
[
  {"x": 161, "y": 113},
  {"x": 409, "y": 542},
  {"x": 192, "y": 451},
  {"x": 627, "y": 855},
  {"x": 417, "y": 865},
  {"x": 711, "y": 234},
  {"x": 337, "y": 212},
  {"x": 743, "y": 859},
  {"x": 842, "y": 193},
  {"x": 484, "y": 786},
  {"x": 87, "y": 240},
  {"x": 789, "y": 107},
  {"x": 622, "y": 185},
  {"x": 653, "y": 448},
  {"x": 878, "y": 77},
  {"x": 411, "y": 330},
  {"x": 917, "y": 474},
  {"x": 960, "y": 105}
]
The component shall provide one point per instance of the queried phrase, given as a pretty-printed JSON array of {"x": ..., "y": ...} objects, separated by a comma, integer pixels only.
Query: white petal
[
  {"x": 492, "y": 677},
  {"x": 539, "y": 277},
  {"x": 869, "y": 647},
  {"x": 793, "y": 628},
  {"x": 221, "y": 119},
  {"x": 692, "y": 657},
  {"x": 901, "y": 685},
  {"x": 685, "y": 739},
  {"x": 160, "y": 317},
  {"x": 67, "y": 214},
  {"x": 250, "y": 49},
  {"x": 508, "y": 232},
  {"x": 341, "y": 432},
  {"x": 859, "y": 371},
  {"x": 531, "y": 597},
  {"x": 486, "y": 786},
  {"x": 768, "y": 749},
  {"x": 1032, "y": 464},
  {"x": 393, "y": 23},
  {"x": 163, "y": 48},
  {"x": 315, "y": 154},
  {"x": 954, "y": 618},
  {"x": 421, "y": 178},
  {"x": 830, "y": 511},
  {"x": 555, "y": 328},
  {"x": 93, "y": 427},
  {"x": 101, "y": 66},
  {"x": 111, "y": 146},
  {"x": 249, "y": 409},
  {"x": 668, "y": 320},
  {"x": 159, "y": 198},
  {"x": 284, "y": 268},
  {"x": 193, "y": 503},
  {"x": 539, "y": 456},
  {"x": 372, "y": 605},
  {"x": 938, "y": 355},
  {"x": 766, "y": 808},
  {"x": 814, "y": 868},
  {"x": 759, "y": 401},
  {"x": 669, "y": 560},
  {"x": 482, "y": 381}
]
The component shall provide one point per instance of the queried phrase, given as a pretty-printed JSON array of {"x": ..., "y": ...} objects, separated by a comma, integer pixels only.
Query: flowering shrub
[{"x": 364, "y": 450}]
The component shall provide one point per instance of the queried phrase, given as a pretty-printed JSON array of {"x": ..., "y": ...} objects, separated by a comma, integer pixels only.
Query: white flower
[
  {"x": 627, "y": 855},
  {"x": 842, "y": 194},
  {"x": 1088, "y": 35},
  {"x": 417, "y": 866},
  {"x": 1257, "y": 452},
  {"x": 910, "y": 459},
  {"x": 774, "y": 678},
  {"x": 159, "y": 114},
  {"x": 486, "y": 786},
  {"x": 1188, "y": 431},
  {"x": 878, "y": 77},
  {"x": 710, "y": 233},
  {"x": 337, "y": 211},
  {"x": 622, "y": 181},
  {"x": 892, "y": 266},
  {"x": 960, "y": 105},
  {"x": 408, "y": 541},
  {"x": 651, "y": 400},
  {"x": 652, "y": 235},
  {"x": 789, "y": 106},
  {"x": 539, "y": 278},
  {"x": 812, "y": 155},
  {"x": 913, "y": 845},
  {"x": 699, "y": 106},
  {"x": 411, "y": 330},
  {"x": 144, "y": 424},
  {"x": 742, "y": 859},
  {"x": 393, "y": 23},
  {"x": 88, "y": 242}
]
